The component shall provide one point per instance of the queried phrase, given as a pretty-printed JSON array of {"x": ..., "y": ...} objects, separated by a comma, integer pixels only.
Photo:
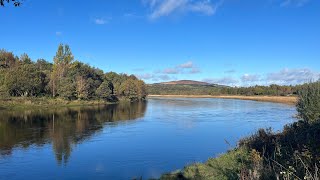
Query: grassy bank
[
  {"x": 276, "y": 99},
  {"x": 291, "y": 154},
  {"x": 43, "y": 102}
]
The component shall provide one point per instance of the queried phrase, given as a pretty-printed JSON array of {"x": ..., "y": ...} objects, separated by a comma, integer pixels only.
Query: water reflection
[{"x": 63, "y": 127}]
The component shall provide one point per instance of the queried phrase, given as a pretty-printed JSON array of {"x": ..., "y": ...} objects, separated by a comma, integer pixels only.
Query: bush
[
  {"x": 308, "y": 105},
  {"x": 226, "y": 166}
]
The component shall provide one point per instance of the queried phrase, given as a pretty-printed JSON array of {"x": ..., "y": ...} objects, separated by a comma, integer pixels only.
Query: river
[{"x": 129, "y": 140}]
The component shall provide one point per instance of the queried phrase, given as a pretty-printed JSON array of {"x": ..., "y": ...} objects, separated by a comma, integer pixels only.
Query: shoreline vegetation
[
  {"x": 45, "y": 102},
  {"x": 291, "y": 154},
  {"x": 17, "y": 103},
  {"x": 65, "y": 82},
  {"x": 291, "y": 100}
]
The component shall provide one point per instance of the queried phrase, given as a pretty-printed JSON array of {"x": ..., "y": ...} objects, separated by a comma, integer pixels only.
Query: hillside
[
  {"x": 186, "y": 82},
  {"x": 189, "y": 87},
  {"x": 183, "y": 87}
]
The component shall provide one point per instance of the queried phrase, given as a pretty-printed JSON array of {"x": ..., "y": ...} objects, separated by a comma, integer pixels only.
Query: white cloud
[
  {"x": 297, "y": 3},
  {"x": 184, "y": 68},
  {"x": 154, "y": 77},
  {"x": 204, "y": 7},
  {"x": 100, "y": 21},
  {"x": 250, "y": 78},
  {"x": 164, "y": 78},
  {"x": 283, "y": 77},
  {"x": 292, "y": 76},
  {"x": 188, "y": 64},
  {"x": 171, "y": 71},
  {"x": 160, "y": 8},
  {"x": 146, "y": 76}
]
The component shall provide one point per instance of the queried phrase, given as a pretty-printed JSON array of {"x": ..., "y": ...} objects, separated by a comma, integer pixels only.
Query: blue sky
[{"x": 231, "y": 42}]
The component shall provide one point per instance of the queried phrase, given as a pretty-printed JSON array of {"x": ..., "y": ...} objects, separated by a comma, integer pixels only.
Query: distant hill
[
  {"x": 184, "y": 87},
  {"x": 186, "y": 82}
]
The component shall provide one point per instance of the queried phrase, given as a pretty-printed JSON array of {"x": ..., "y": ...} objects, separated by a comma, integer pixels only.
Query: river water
[{"x": 129, "y": 140}]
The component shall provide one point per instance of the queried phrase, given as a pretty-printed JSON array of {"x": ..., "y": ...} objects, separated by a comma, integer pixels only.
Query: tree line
[
  {"x": 271, "y": 90},
  {"x": 65, "y": 78}
]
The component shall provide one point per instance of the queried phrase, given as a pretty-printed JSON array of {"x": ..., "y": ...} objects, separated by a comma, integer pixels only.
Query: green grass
[
  {"x": 226, "y": 166},
  {"x": 44, "y": 102}
]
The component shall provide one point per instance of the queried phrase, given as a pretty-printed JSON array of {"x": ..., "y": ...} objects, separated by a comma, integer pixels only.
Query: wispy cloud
[
  {"x": 297, "y": 3},
  {"x": 188, "y": 64},
  {"x": 154, "y": 77},
  {"x": 171, "y": 71},
  {"x": 283, "y": 77},
  {"x": 292, "y": 76},
  {"x": 184, "y": 68},
  {"x": 100, "y": 21},
  {"x": 160, "y": 8},
  {"x": 249, "y": 78},
  {"x": 146, "y": 76},
  {"x": 164, "y": 77}
]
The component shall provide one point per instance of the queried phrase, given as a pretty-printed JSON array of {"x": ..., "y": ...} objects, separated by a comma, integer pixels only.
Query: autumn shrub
[{"x": 308, "y": 105}]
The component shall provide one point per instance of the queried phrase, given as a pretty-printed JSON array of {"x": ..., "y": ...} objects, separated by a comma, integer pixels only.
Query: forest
[{"x": 65, "y": 78}]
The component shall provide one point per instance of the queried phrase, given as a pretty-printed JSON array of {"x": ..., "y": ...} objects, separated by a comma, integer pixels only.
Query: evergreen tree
[{"x": 62, "y": 61}]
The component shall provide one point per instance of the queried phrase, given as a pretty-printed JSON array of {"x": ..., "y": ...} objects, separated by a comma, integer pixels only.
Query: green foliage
[
  {"x": 24, "y": 59},
  {"x": 308, "y": 105},
  {"x": 168, "y": 89},
  {"x": 180, "y": 89},
  {"x": 62, "y": 61},
  {"x": 24, "y": 80},
  {"x": 67, "y": 89},
  {"x": 65, "y": 78},
  {"x": 133, "y": 89},
  {"x": 7, "y": 59},
  {"x": 227, "y": 166},
  {"x": 104, "y": 91}
]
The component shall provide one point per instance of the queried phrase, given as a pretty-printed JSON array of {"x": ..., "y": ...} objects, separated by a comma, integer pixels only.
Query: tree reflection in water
[{"x": 63, "y": 127}]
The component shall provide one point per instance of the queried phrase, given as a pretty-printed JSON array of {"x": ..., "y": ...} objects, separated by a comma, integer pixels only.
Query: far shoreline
[{"x": 290, "y": 100}]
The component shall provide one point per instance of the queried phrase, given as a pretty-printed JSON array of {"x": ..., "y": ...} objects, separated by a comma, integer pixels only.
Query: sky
[{"x": 229, "y": 42}]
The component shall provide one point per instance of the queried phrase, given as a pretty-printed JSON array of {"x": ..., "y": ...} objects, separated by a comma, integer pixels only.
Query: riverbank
[
  {"x": 290, "y": 154},
  {"x": 291, "y": 100},
  {"x": 42, "y": 102}
]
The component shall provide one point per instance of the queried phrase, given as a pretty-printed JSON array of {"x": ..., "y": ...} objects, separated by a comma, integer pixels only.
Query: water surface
[{"x": 128, "y": 140}]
